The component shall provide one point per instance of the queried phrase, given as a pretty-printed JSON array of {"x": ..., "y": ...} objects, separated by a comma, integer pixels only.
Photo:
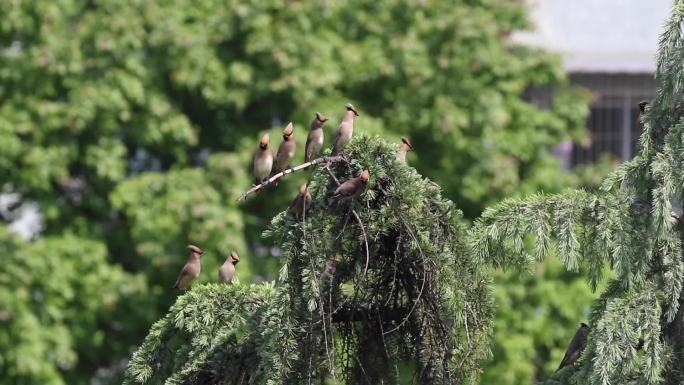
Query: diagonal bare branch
[{"x": 323, "y": 159}]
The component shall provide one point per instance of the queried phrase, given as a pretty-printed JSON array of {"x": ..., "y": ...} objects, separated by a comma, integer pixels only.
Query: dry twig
[{"x": 323, "y": 159}]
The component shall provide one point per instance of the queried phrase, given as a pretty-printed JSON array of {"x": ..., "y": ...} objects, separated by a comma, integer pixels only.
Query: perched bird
[
  {"x": 577, "y": 345},
  {"x": 640, "y": 119},
  {"x": 286, "y": 151},
  {"x": 227, "y": 270},
  {"x": 314, "y": 141},
  {"x": 191, "y": 270},
  {"x": 346, "y": 129},
  {"x": 351, "y": 188},
  {"x": 263, "y": 161},
  {"x": 404, "y": 149},
  {"x": 301, "y": 203}
]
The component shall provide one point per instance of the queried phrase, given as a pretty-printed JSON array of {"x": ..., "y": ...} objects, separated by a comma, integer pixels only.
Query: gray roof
[{"x": 606, "y": 36}]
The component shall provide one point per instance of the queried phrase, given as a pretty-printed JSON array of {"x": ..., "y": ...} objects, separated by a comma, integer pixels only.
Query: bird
[
  {"x": 640, "y": 119},
  {"x": 346, "y": 129},
  {"x": 404, "y": 149},
  {"x": 263, "y": 161},
  {"x": 314, "y": 141},
  {"x": 351, "y": 188},
  {"x": 191, "y": 270},
  {"x": 227, "y": 270},
  {"x": 301, "y": 203},
  {"x": 286, "y": 151},
  {"x": 577, "y": 345}
]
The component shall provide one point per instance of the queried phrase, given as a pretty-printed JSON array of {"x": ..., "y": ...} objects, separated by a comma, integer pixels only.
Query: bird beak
[{"x": 355, "y": 113}]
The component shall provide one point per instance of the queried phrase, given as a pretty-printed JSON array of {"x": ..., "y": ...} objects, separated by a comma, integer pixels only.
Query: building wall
[{"x": 613, "y": 122}]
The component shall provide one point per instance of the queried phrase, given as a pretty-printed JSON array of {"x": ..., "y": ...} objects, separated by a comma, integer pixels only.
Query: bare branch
[{"x": 323, "y": 159}]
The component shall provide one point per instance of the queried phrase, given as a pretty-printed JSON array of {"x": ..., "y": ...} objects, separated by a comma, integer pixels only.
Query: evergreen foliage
[
  {"x": 356, "y": 301},
  {"x": 634, "y": 225}
]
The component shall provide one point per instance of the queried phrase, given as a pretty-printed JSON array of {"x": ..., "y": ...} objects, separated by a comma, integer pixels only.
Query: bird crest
[
  {"x": 196, "y": 250},
  {"x": 289, "y": 129},
  {"x": 264, "y": 141}
]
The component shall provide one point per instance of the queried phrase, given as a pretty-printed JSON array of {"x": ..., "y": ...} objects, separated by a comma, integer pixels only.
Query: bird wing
[
  {"x": 182, "y": 277},
  {"x": 307, "y": 156},
  {"x": 278, "y": 159},
  {"x": 346, "y": 189},
  {"x": 577, "y": 345},
  {"x": 337, "y": 138}
]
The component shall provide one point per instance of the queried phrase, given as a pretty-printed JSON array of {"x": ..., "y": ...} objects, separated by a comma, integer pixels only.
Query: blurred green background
[{"x": 130, "y": 126}]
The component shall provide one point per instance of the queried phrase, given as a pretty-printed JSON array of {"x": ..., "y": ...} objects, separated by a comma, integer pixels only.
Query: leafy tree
[{"x": 131, "y": 123}]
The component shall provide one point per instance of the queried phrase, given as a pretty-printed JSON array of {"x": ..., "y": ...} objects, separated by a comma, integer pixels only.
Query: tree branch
[
  {"x": 352, "y": 314},
  {"x": 323, "y": 159}
]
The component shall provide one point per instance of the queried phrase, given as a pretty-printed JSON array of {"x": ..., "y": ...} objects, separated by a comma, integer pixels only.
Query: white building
[{"x": 609, "y": 47}]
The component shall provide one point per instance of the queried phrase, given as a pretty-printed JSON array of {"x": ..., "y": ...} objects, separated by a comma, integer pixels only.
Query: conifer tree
[
  {"x": 369, "y": 289},
  {"x": 632, "y": 225}
]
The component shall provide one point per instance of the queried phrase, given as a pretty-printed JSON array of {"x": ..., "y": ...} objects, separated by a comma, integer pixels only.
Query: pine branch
[
  {"x": 273, "y": 178},
  {"x": 350, "y": 314}
]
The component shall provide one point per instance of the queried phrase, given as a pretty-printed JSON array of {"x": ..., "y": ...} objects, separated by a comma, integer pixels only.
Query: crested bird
[
  {"x": 227, "y": 270},
  {"x": 191, "y": 270},
  {"x": 346, "y": 129},
  {"x": 301, "y": 203},
  {"x": 404, "y": 149},
  {"x": 286, "y": 151},
  {"x": 314, "y": 141},
  {"x": 577, "y": 345},
  {"x": 351, "y": 188},
  {"x": 263, "y": 161}
]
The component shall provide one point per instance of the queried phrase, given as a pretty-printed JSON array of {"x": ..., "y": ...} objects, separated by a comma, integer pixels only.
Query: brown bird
[
  {"x": 263, "y": 161},
  {"x": 314, "y": 141},
  {"x": 640, "y": 119},
  {"x": 191, "y": 270},
  {"x": 286, "y": 151},
  {"x": 404, "y": 149},
  {"x": 577, "y": 345},
  {"x": 351, "y": 188},
  {"x": 227, "y": 270},
  {"x": 301, "y": 203},
  {"x": 346, "y": 129}
]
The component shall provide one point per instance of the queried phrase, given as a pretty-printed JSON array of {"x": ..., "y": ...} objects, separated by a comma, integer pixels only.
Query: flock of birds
[{"x": 265, "y": 166}]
